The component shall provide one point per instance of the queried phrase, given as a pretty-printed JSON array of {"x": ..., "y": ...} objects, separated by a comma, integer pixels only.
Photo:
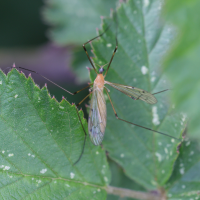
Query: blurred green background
[{"x": 24, "y": 41}]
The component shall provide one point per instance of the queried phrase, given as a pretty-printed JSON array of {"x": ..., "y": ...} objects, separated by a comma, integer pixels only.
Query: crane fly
[{"x": 97, "y": 113}]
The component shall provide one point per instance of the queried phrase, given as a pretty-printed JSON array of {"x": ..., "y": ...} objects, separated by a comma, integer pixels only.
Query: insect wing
[
  {"x": 134, "y": 93},
  {"x": 97, "y": 116}
]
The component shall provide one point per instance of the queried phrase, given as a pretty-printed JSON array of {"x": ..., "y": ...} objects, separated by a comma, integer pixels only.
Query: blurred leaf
[
  {"x": 75, "y": 21},
  {"x": 146, "y": 157},
  {"x": 79, "y": 63},
  {"x": 185, "y": 180},
  {"x": 120, "y": 180},
  {"x": 40, "y": 140},
  {"x": 182, "y": 63}
]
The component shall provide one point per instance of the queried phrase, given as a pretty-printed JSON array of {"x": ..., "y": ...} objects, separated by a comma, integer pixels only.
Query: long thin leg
[
  {"x": 55, "y": 83},
  {"x": 91, "y": 41},
  {"x": 160, "y": 91},
  {"x": 115, "y": 48},
  {"x": 137, "y": 124},
  {"x": 82, "y": 127}
]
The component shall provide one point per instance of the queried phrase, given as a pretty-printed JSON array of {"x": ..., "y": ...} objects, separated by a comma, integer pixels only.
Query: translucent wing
[
  {"x": 134, "y": 93},
  {"x": 97, "y": 116}
]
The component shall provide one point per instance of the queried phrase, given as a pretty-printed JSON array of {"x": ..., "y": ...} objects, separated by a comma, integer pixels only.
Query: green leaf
[
  {"x": 182, "y": 63},
  {"x": 40, "y": 139},
  {"x": 143, "y": 40},
  {"x": 120, "y": 180},
  {"x": 185, "y": 180},
  {"x": 75, "y": 21},
  {"x": 80, "y": 62}
]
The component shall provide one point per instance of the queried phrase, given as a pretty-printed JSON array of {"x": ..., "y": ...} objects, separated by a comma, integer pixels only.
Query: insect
[{"x": 97, "y": 113}]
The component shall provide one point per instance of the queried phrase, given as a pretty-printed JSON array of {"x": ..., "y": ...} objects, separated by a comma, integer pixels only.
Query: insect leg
[
  {"x": 91, "y": 41},
  {"x": 160, "y": 91},
  {"x": 116, "y": 46},
  {"x": 82, "y": 127},
  {"x": 55, "y": 83},
  {"x": 137, "y": 124}
]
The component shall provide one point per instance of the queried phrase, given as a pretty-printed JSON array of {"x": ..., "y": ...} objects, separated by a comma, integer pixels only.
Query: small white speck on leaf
[
  {"x": 166, "y": 150},
  {"x": 146, "y": 3},
  {"x": 182, "y": 171},
  {"x": 155, "y": 119},
  {"x": 3, "y": 151},
  {"x": 191, "y": 153},
  {"x": 109, "y": 45},
  {"x": 43, "y": 171},
  {"x": 159, "y": 156},
  {"x": 144, "y": 70},
  {"x": 6, "y": 168},
  {"x": 67, "y": 185},
  {"x": 16, "y": 96},
  {"x": 29, "y": 154},
  {"x": 105, "y": 178},
  {"x": 188, "y": 143},
  {"x": 99, "y": 190},
  {"x": 10, "y": 154},
  {"x": 72, "y": 175},
  {"x": 183, "y": 186},
  {"x": 121, "y": 155},
  {"x": 0, "y": 82},
  {"x": 172, "y": 140},
  {"x": 97, "y": 152},
  {"x": 61, "y": 107},
  {"x": 153, "y": 78}
]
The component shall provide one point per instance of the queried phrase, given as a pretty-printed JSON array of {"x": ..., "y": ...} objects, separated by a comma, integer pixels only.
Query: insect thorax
[{"x": 99, "y": 81}]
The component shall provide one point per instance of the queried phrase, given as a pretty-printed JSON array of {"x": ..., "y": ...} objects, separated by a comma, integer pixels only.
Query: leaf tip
[{"x": 88, "y": 68}]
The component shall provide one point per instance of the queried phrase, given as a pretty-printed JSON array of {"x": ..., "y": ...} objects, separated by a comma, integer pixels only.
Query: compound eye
[{"x": 101, "y": 70}]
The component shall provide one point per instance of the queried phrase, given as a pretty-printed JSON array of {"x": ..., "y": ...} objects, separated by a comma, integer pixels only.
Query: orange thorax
[{"x": 99, "y": 81}]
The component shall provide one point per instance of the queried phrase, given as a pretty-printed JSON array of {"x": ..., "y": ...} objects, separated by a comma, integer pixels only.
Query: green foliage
[
  {"x": 75, "y": 21},
  {"x": 185, "y": 180},
  {"x": 119, "y": 179},
  {"x": 40, "y": 140},
  {"x": 146, "y": 157},
  {"x": 182, "y": 63}
]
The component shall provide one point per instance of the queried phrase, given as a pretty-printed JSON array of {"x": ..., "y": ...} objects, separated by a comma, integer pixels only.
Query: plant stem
[{"x": 133, "y": 194}]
